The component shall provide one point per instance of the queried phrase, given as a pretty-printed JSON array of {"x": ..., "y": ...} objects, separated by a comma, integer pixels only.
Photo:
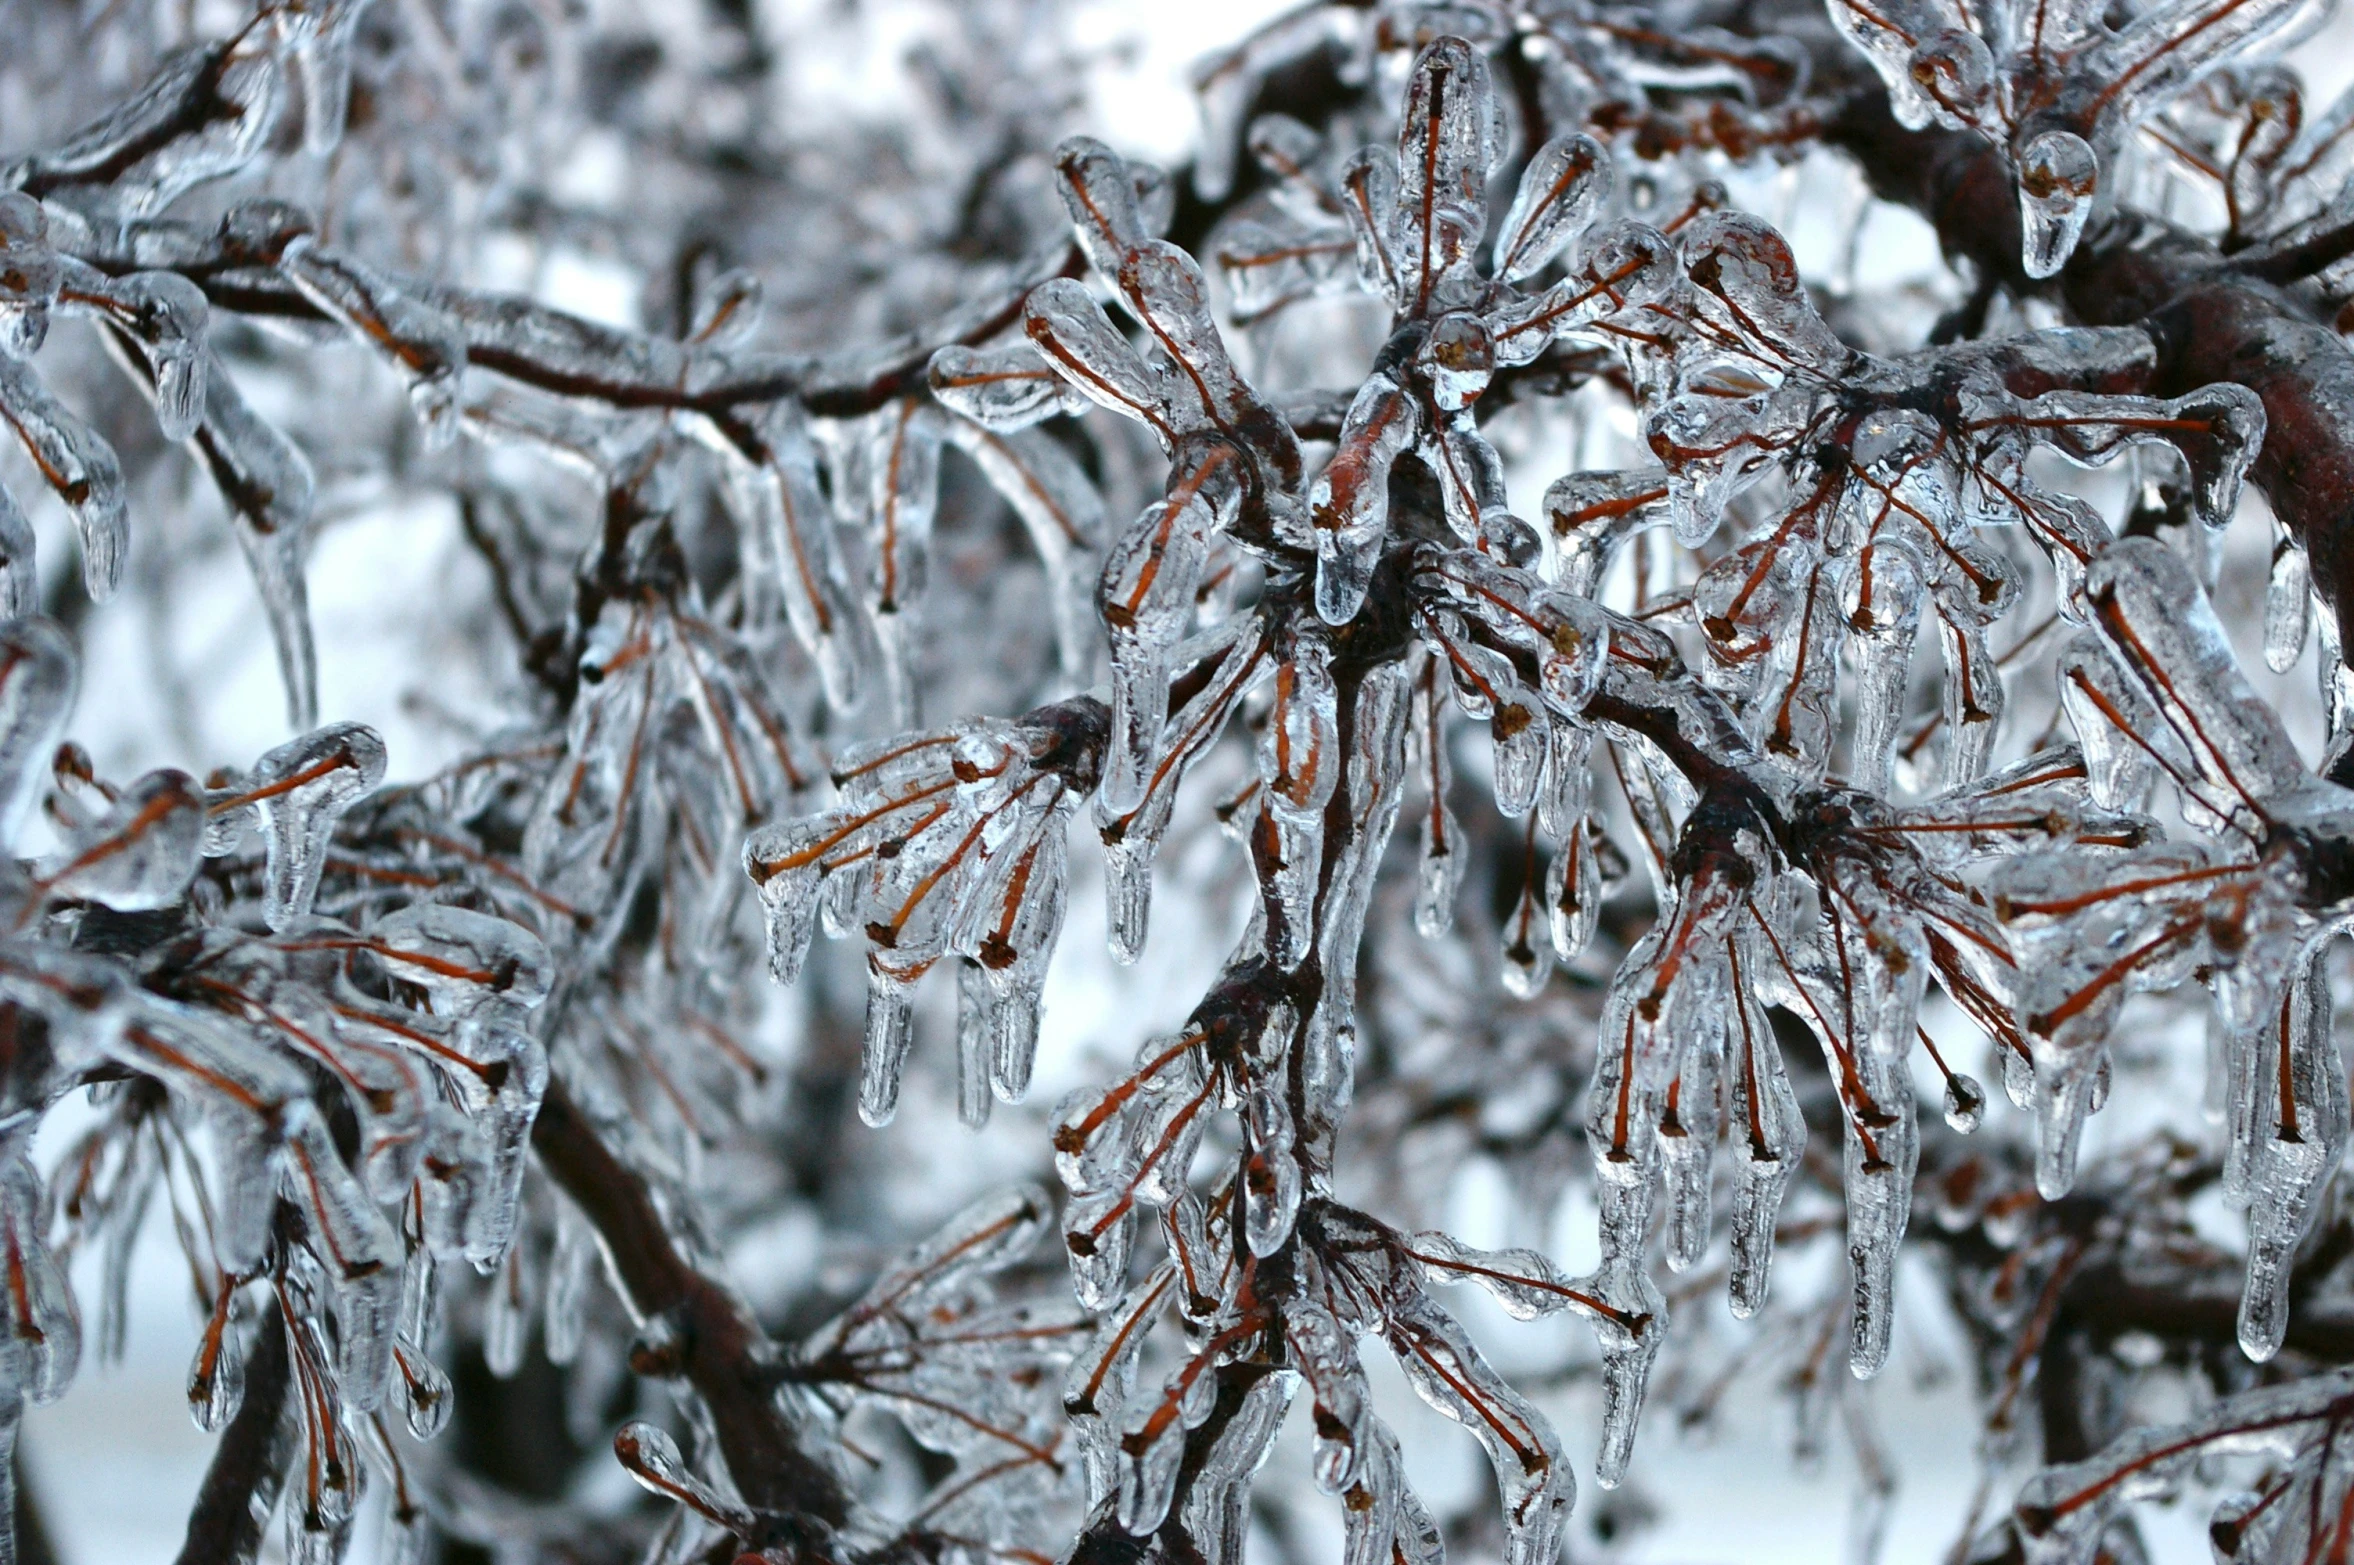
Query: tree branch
[
  {"x": 2208, "y": 319},
  {"x": 718, "y": 1348}
]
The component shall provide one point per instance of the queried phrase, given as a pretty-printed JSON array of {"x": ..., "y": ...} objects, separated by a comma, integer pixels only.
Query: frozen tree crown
[{"x": 1208, "y": 476}]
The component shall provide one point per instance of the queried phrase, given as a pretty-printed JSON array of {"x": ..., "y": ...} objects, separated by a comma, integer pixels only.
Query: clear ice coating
[{"x": 302, "y": 788}]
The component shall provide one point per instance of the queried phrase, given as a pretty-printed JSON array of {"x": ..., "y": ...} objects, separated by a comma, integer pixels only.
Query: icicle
[
  {"x": 1127, "y": 868},
  {"x": 1974, "y": 697},
  {"x": 773, "y": 488},
  {"x": 1271, "y": 1170},
  {"x": 1528, "y": 934},
  {"x": 784, "y": 861},
  {"x": 1349, "y": 503},
  {"x": 1146, "y": 598},
  {"x": 975, "y": 1044},
  {"x": 303, "y": 787},
  {"x": 44, "y": 1344},
  {"x": 1300, "y": 763},
  {"x": 1439, "y": 873},
  {"x": 1064, "y": 512},
  {"x": 506, "y": 1317},
  {"x": 1217, "y": 1508},
  {"x": 268, "y": 485},
  {"x": 1687, "y": 1136},
  {"x": 2288, "y": 603},
  {"x": 572, "y": 1269},
  {"x": 79, "y": 465},
  {"x": 1767, "y": 1130},
  {"x": 20, "y": 575},
  {"x": 2295, "y": 1134},
  {"x": 352, "y": 1232},
  {"x": 323, "y": 53},
  {"x": 37, "y": 677},
  {"x": 890, "y": 1029},
  {"x": 902, "y": 458},
  {"x": 1880, "y": 598}
]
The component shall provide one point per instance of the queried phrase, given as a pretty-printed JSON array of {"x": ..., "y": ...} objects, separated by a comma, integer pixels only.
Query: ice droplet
[
  {"x": 1965, "y": 1103},
  {"x": 2058, "y": 177}
]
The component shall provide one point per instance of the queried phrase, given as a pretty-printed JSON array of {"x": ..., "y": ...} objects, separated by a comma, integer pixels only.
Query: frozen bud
[
  {"x": 1744, "y": 264},
  {"x": 1955, "y": 71},
  {"x": 169, "y": 316},
  {"x": 653, "y": 1459},
  {"x": 728, "y": 312},
  {"x": 28, "y": 274},
  {"x": 1458, "y": 358},
  {"x": 1447, "y": 142},
  {"x": 1369, "y": 201},
  {"x": 1101, "y": 199},
  {"x": 463, "y": 959},
  {"x": 1074, "y": 335},
  {"x": 142, "y": 853},
  {"x": 1564, "y": 186},
  {"x": 1004, "y": 388},
  {"x": 2058, "y": 174},
  {"x": 1268, "y": 267},
  {"x": 216, "y": 1376},
  {"x": 1626, "y": 266},
  {"x": 1282, "y": 145},
  {"x": 1299, "y": 749}
]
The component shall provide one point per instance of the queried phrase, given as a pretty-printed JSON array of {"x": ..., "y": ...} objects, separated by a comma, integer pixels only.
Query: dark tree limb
[
  {"x": 715, "y": 1345},
  {"x": 2209, "y": 318},
  {"x": 235, "y": 1500}
]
